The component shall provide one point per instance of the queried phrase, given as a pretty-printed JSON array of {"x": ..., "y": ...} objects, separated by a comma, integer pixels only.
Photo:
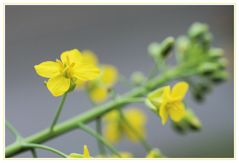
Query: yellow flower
[
  {"x": 98, "y": 89},
  {"x": 116, "y": 128},
  {"x": 67, "y": 72},
  {"x": 86, "y": 154},
  {"x": 168, "y": 102},
  {"x": 154, "y": 153}
]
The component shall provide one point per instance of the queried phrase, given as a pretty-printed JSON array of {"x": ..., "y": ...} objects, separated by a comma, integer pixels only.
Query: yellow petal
[
  {"x": 49, "y": 69},
  {"x": 125, "y": 154},
  {"x": 58, "y": 85},
  {"x": 177, "y": 111},
  {"x": 154, "y": 153},
  {"x": 71, "y": 56},
  {"x": 79, "y": 84},
  {"x": 86, "y": 153},
  {"x": 112, "y": 116},
  {"x": 137, "y": 120},
  {"x": 179, "y": 90},
  {"x": 99, "y": 94},
  {"x": 89, "y": 57},
  {"x": 112, "y": 132},
  {"x": 163, "y": 113},
  {"x": 85, "y": 72},
  {"x": 109, "y": 75}
]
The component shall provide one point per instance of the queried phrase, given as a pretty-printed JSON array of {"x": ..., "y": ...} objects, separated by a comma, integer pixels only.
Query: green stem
[
  {"x": 99, "y": 130},
  {"x": 58, "y": 112},
  {"x": 100, "y": 138},
  {"x": 13, "y": 131},
  {"x": 31, "y": 145},
  {"x": 145, "y": 144},
  {"x": 34, "y": 153},
  {"x": 119, "y": 102}
]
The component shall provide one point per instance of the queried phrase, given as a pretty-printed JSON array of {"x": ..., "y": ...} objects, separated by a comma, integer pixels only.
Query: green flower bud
[
  {"x": 193, "y": 121},
  {"x": 207, "y": 68},
  {"x": 138, "y": 78},
  {"x": 166, "y": 46},
  {"x": 222, "y": 63},
  {"x": 158, "y": 51},
  {"x": 219, "y": 76},
  {"x": 182, "y": 44},
  {"x": 215, "y": 53},
  {"x": 197, "y": 30},
  {"x": 153, "y": 49}
]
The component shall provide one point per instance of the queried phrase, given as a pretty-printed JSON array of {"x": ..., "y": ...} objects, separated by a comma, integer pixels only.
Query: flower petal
[
  {"x": 180, "y": 90},
  {"x": 71, "y": 56},
  {"x": 177, "y": 112},
  {"x": 86, "y": 153},
  {"x": 99, "y": 94},
  {"x": 112, "y": 132},
  {"x": 49, "y": 69},
  {"x": 89, "y": 57},
  {"x": 109, "y": 75},
  {"x": 163, "y": 113},
  {"x": 58, "y": 85},
  {"x": 85, "y": 72},
  {"x": 156, "y": 97}
]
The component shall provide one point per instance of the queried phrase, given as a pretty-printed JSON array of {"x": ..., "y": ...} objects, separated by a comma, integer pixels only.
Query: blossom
[
  {"x": 116, "y": 128},
  {"x": 86, "y": 154},
  {"x": 166, "y": 102},
  {"x": 67, "y": 72},
  {"x": 98, "y": 89}
]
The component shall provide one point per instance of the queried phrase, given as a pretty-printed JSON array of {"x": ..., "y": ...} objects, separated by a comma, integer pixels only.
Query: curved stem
[
  {"x": 99, "y": 137},
  {"x": 58, "y": 112},
  {"x": 99, "y": 130},
  {"x": 31, "y": 145},
  {"x": 13, "y": 131},
  {"x": 145, "y": 144},
  {"x": 119, "y": 102}
]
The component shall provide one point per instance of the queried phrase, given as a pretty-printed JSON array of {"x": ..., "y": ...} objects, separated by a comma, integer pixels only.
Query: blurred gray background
[{"x": 119, "y": 35}]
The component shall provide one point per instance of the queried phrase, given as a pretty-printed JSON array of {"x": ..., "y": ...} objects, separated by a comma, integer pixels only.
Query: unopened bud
[
  {"x": 207, "y": 68},
  {"x": 216, "y": 53},
  {"x": 138, "y": 78},
  {"x": 182, "y": 44},
  {"x": 197, "y": 30},
  {"x": 222, "y": 63},
  {"x": 166, "y": 46},
  {"x": 219, "y": 76},
  {"x": 153, "y": 49}
]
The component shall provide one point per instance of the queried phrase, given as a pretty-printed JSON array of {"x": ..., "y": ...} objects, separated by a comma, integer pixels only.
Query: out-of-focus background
[{"x": 119, "y": 35}]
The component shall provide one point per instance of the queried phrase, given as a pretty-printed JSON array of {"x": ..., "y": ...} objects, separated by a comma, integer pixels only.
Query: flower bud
[
  {"x": 207, "y": 68},
  {"x": 219, "y": 76},
  {"x": 138, "y": 78},
  {"x": 154, "y": 153},
  {"x": 197, "y": 30},
  {"x": 215, "y": 53},
  {"x": 182, "y": 44},
  {"x": 193, "y": 121},
  {"x": 158, "y": 51},
  {"x": 166, "y": 46},
  {"x": 222, "y": 63}
]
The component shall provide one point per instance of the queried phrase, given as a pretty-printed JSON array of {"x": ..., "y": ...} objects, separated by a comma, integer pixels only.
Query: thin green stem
[
  {"x": 34, "y": 153},
  {"x": 99, "y": 130},
  {"x": 98, "y": 127},
  {"x": 145, "y": 144},
  {"x": 13, "y": 131},
  {"x": 40, "y": 146},
  {"x": 100, "y": 138},
  {"x": 58, "y": 112}
]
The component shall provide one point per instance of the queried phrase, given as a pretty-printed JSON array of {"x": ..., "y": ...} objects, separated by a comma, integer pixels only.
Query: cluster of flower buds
[{"x": 195, "y": 49}]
